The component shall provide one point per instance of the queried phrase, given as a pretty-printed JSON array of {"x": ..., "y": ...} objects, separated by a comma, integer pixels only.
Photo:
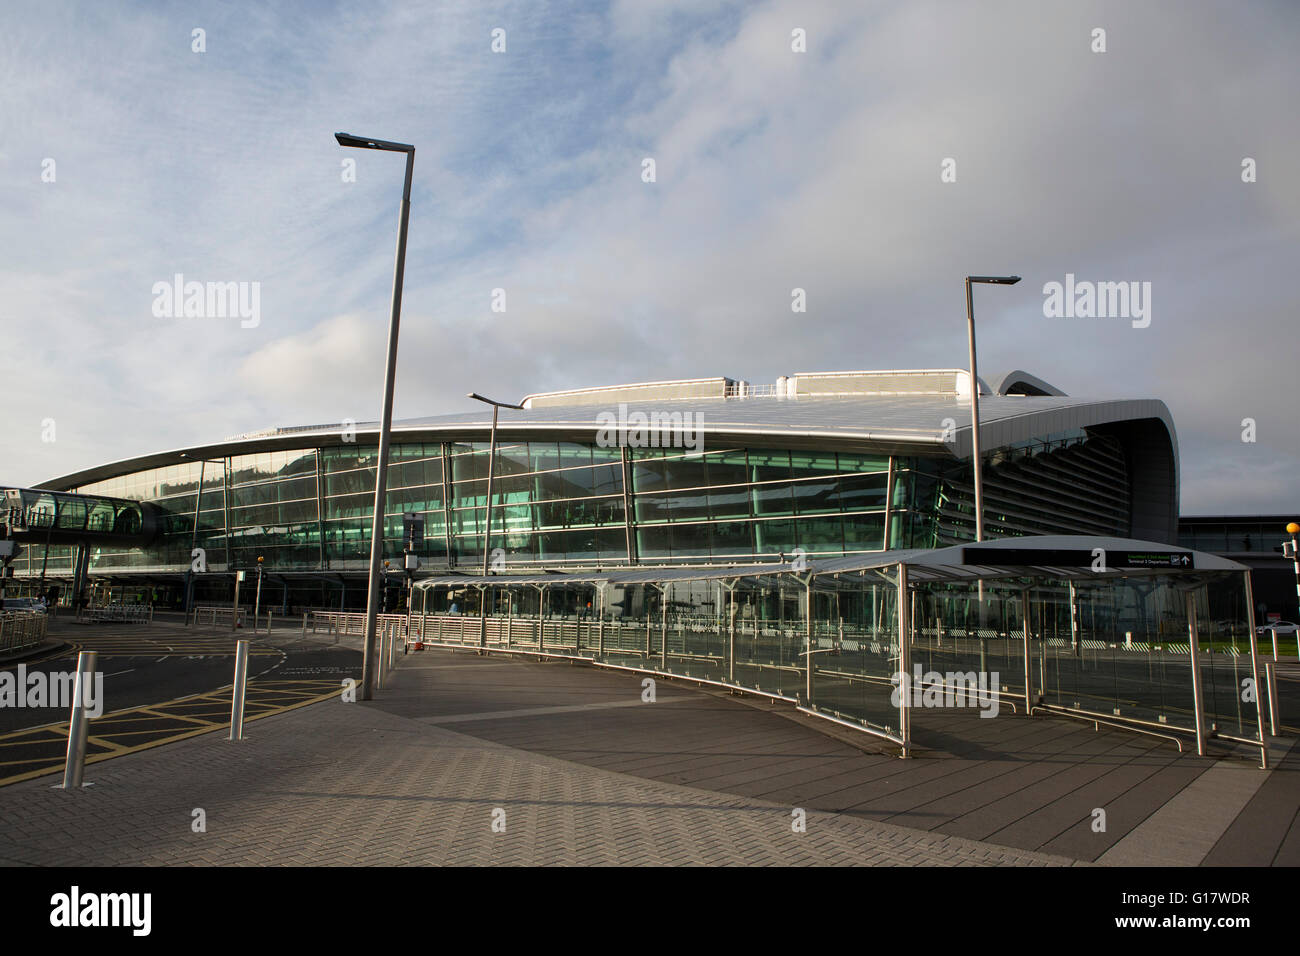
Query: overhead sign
[{"x": 1075, "y": 558}]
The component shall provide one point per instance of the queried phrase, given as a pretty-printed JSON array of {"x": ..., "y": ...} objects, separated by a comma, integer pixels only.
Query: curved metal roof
[{"x": 898, "y": 424}]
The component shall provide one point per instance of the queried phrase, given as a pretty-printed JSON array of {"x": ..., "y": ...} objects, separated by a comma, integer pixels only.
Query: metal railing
[
  {"x": 118, "y": 614},
  {"x": 336, "y": 623},
  {"x": 216, "y": 614},
  {"x": 19, "y": 629}
]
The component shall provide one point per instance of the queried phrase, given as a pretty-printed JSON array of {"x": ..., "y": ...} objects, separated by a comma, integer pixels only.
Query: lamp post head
[
  {"x": 488, "y": 401},
  {"x": 364, "y": 142},
  {"x": 1292, "y": 527},
  {"x": 994, "y": 280}
]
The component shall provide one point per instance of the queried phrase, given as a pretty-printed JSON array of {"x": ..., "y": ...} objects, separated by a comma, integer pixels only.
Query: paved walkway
[
  {"x": 574, "y": 768},
  {"x": 348, "y": 784}
]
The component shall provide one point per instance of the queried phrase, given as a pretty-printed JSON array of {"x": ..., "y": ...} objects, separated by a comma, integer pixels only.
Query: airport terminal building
[
  {"x": 808, "y": 540},
  {"x": 700, "y": 472}
]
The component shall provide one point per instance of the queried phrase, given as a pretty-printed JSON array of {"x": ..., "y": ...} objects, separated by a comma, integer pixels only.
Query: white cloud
[{"x": 775, "y": 170}]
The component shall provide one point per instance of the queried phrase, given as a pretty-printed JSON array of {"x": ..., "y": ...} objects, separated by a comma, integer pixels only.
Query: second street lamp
[
  {"x": 386, "y": 425},
  {"x": 257, "y": 602},
  {"x": 975, "y": 437},
  {"x": 487, "y": 521},
  {"x": 1293, "y": 529},
  {"x": 975, "y": 395}
]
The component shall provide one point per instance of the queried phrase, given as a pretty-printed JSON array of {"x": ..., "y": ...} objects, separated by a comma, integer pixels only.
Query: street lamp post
[
  {"x": 194, "y": 531},
  {"x": 257, "y": 601},
  {"x": 975, "y": 394},
  {"x": 1293, "y": 529},
  {"x": 381, "y": 472},
  {"x": 975, "y": 431},
  {"x": 487, "y": 523}
]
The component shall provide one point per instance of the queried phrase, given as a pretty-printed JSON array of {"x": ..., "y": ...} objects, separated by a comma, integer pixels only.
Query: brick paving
[
  {"x": 350, "y": 784},
  {"x": 588, "y": 774}
]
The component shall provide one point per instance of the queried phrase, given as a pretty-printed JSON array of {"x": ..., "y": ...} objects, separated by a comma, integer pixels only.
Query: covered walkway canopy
[{"x": 1148, "y": 636}]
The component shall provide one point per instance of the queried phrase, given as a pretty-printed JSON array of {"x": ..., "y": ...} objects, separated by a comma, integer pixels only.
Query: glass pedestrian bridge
[
  {"x": 60, "y": 517},
  {"x": 908, "y": 645}
]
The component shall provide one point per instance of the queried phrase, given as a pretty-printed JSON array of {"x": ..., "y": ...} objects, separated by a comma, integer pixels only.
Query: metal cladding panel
[
  {"x": 899, "y": 424},
  {"x": 694, "y": 389},
  {"x": 919, "y": 382}
]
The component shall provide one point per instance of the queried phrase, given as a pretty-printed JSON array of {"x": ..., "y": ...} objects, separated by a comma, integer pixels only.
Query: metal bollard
[
  {"x": 1270, "y": 675},
  {"x": 237, "y": 694},
  {"x": 79, "y": 723}
]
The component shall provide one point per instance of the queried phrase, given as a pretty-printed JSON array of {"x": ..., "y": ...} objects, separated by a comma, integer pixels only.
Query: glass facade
[
  {"x": 562, "y": 505},
  {"x": 1262, "y": 535}
]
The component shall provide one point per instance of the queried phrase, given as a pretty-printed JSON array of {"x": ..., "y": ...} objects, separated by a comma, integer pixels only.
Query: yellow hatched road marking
[
  {"x": 257, "y": 695},
  {"x": 150, "y": 712}
]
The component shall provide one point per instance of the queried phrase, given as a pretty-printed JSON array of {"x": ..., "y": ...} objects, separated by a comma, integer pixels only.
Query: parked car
[
  {"x": 35, "y": 605},
  {"x": 1282, "y": 627}
]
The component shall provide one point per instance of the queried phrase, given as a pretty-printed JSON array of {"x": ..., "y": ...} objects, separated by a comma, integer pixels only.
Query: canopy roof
[{"x": 1064, "y": 557}]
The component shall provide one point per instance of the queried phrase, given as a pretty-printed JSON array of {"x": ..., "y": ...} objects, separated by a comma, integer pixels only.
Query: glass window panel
[
  {"x": 816, "y": 497},
  {"x": 648, "y": 474},
  {"x": 774, "y": 537},
  {"x": 729, "y": 502},
  {"x": 607, "y": 479},
  {"x": 821, "y": 535},
  {"x": 862, "y": 492},
  {"x": 728, "y": 468},
  {"x": 654, "y": 542},
  {"x": 689, "y": 505},
  {"x": 851, "y": 463},
  {"x": 651, "y": 508},
  {"x": 864, "y": 532},
  {"x": 690, "y": 540},
  {"x": 733, "y": 538},
  {"x": 773, "y": 500},
  {"x": 769, "y": 465},
  {"x": 573, "y": 454},
  {"x": 468, "y": 549},
  {"x": 545, "y": 455},
  {"x": 467, "y": 521},
  {"x": 685, "y": 472},
  {"x": 610, "y": 511},
  {"x": 513, "y": 459},
  {"x": 469, "y": 493},
  {"x": 612, "y": 544}
]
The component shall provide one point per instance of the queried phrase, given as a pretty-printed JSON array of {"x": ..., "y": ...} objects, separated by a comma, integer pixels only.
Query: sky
[{"x": 905, "y": 146}]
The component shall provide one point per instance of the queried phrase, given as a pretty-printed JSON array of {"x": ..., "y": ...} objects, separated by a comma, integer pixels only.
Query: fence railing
[
  {"x": 19, "y": 629},
  {"x": 337, "y": 623},
  {"x": 118, "y": 613},
  {"x": 209, "y": 615},
  {"x": 216, "y": 614}
]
